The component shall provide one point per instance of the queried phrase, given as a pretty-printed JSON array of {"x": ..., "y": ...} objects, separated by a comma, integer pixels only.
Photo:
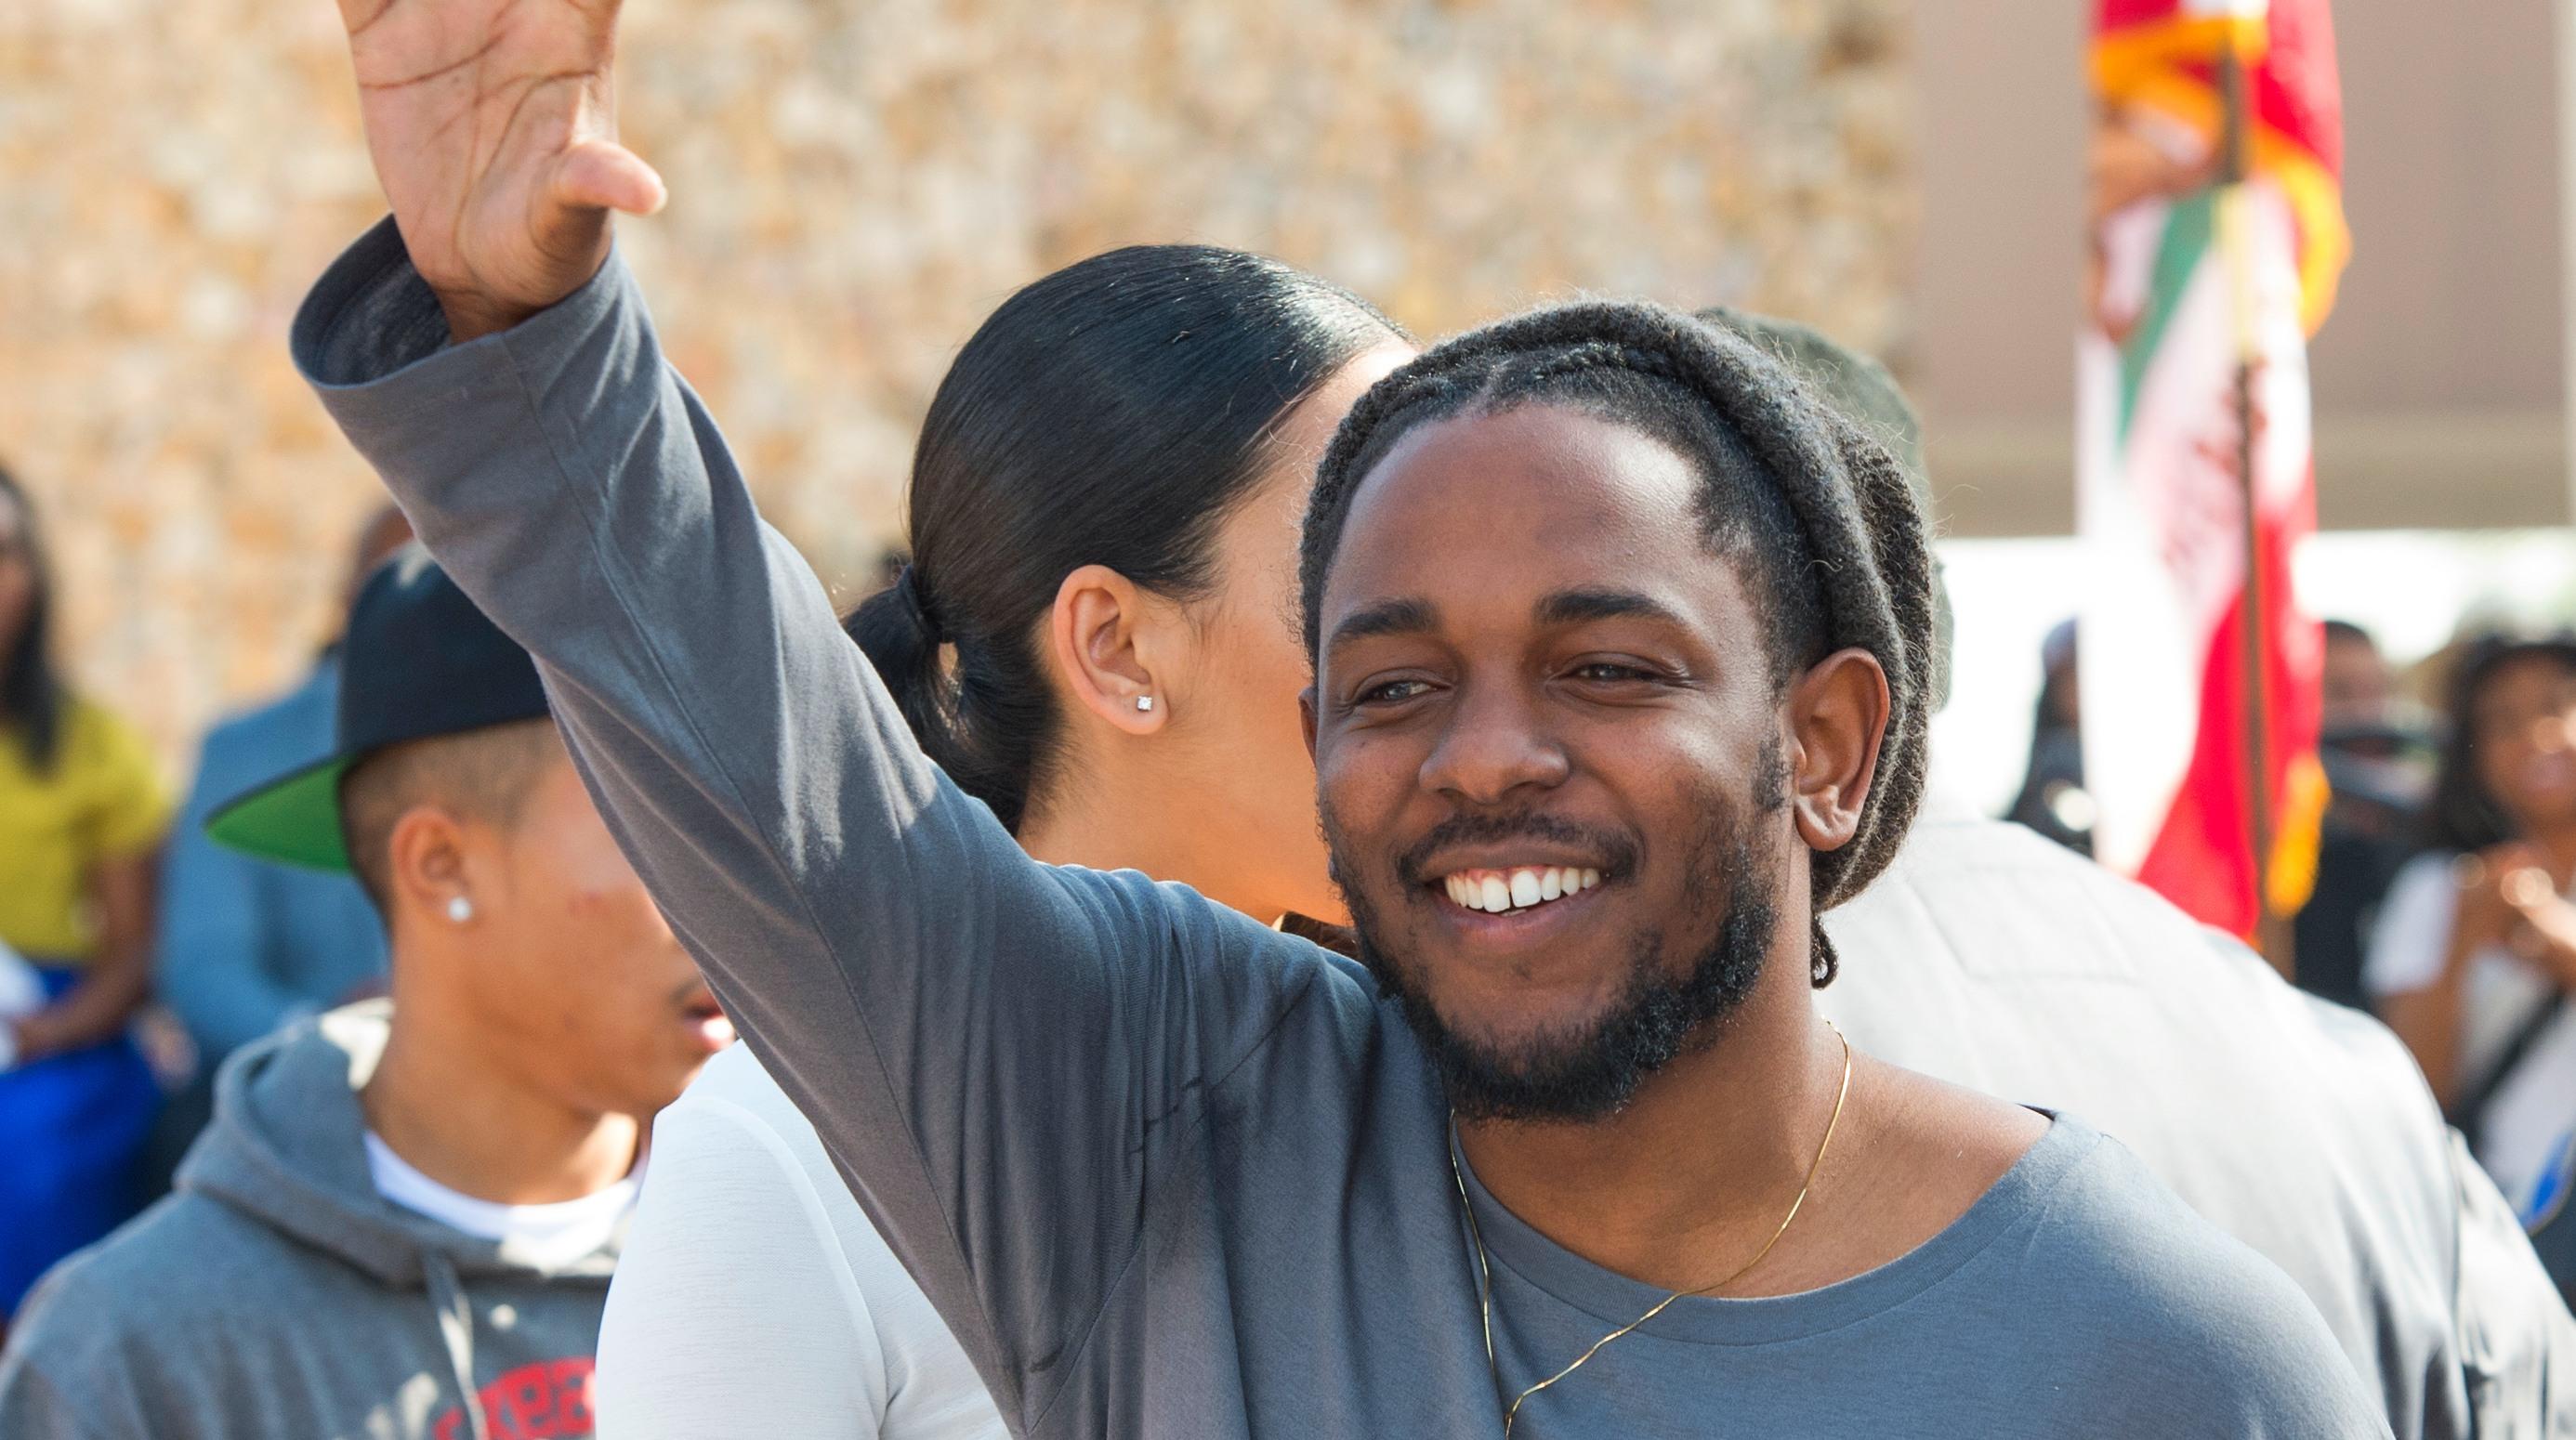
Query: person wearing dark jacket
[{"x": 248, "y": 945}]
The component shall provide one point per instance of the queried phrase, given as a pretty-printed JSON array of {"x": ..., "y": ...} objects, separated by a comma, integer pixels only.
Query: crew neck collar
[{"x": 1614, "y": 1299}]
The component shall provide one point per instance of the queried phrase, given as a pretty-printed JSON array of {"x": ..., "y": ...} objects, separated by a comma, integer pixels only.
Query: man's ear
[
  {"x": 1104, "y": 637},
  {"x": 425, "y": 862},
  {"x": 1836, "y": 714},
  {"x": 1306, "y": 718}
]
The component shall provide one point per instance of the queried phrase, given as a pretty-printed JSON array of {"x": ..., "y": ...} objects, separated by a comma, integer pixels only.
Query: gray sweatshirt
[
  {"x": 276, "y": 1294},
  {"x": 1164, "y": 1171}
]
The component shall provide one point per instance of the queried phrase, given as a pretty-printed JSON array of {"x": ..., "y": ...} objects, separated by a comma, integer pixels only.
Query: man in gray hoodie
[{"x": 402, "y": 1222}]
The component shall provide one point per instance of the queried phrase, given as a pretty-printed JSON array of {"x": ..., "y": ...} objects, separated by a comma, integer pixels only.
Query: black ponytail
[
  {"x": 1110, "y": 414},
  {"x": 902, "y": 642}
]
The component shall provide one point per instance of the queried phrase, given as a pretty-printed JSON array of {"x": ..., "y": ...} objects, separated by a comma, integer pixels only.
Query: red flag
[{"x": 2193, "y": 278}]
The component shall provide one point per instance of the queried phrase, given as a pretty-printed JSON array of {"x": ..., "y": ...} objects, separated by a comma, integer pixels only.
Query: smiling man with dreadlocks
[{"x": 1622, "y": 658}]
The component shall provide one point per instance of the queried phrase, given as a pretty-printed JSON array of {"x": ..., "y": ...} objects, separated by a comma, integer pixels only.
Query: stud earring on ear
[
  {"x": 1145, "y": 703},
  {"x": 459, "y": 909}
]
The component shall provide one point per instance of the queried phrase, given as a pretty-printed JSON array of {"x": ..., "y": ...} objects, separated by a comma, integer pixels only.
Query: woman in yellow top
[{"x": 82, "y": 811}]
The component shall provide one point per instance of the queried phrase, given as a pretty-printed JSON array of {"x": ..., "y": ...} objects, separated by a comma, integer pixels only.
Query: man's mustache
[{"x": 1616, "y": 852}]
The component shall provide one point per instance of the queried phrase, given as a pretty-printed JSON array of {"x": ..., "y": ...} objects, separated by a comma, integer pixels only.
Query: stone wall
[{"x": 855, "y": 183}]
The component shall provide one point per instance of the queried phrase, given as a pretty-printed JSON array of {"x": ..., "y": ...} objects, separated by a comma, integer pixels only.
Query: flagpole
[{"x": 2272, "y": 935}]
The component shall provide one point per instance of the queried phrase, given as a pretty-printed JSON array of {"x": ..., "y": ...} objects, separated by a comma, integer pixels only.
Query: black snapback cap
[{"x": 418, "y": 661}]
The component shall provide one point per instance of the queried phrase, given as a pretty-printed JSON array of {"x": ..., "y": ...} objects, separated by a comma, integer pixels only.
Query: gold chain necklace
[{"x": 1485, "y": 1269}]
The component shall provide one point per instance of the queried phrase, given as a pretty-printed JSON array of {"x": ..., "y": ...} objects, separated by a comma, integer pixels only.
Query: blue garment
[
  {"x": 2553, "y": 1219},
  {"x": 245, "y": 944},
  {"x": 71, "y": 1128}
]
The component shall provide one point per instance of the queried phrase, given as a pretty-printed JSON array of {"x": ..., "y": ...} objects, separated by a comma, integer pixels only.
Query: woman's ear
[
  {"x": 1105, "y": 638},
  {"x": 1836, "y": 714}
]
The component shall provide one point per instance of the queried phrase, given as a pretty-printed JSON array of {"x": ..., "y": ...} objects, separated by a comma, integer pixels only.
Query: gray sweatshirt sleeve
[
  {"x": 33, "y": 1407},
  {"x": 997, "y": 1053}
]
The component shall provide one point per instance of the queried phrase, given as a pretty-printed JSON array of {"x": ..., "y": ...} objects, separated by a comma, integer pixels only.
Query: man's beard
[{"x": 1592, "y": 1068}]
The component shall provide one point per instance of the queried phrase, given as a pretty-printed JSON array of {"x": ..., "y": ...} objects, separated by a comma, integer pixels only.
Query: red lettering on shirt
[{"x": 549, "y": 1400}]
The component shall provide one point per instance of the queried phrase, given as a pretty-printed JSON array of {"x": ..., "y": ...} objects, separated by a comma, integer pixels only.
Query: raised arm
[{"x": 1001, "y": 1055}]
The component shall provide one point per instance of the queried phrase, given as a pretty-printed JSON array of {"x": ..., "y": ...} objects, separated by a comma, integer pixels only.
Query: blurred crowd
[{"x": 2444, "y": 898}]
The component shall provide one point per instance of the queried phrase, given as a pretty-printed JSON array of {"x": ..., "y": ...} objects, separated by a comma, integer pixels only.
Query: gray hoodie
[{"x": 277, "y": 1294}]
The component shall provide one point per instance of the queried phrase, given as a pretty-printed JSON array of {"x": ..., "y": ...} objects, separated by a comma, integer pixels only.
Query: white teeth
[{"x": 1498, "y": 893}]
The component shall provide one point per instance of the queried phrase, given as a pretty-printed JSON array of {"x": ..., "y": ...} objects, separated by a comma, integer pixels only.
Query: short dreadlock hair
[{"x": 1815, "y": 512}]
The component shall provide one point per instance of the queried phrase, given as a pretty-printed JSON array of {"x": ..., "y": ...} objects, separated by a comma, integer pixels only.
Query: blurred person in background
[
  {"x": 1092, "y": 518},
  {"x": 82, "y": 811},
  {"x": 2053, "y": 800},
  {"x": 1991, "y": 958},
  {"x": 2372, "y": 749},
  {"x": 402, "y": 1222},
  {"x": 2357, "y": 687},
  {"x": 2476, "y": 947},
  {"x": 2553, "y": 1219},
  {"x": 247, "y": 945}
]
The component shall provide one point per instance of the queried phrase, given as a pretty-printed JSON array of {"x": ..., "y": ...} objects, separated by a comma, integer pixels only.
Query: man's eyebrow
[
  {"x": 1387, "y": 617},
  {"x": 1572, "y": 607}
]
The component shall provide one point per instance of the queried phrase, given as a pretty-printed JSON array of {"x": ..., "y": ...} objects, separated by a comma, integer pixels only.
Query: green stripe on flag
[{"x": 2188, "y": 226}]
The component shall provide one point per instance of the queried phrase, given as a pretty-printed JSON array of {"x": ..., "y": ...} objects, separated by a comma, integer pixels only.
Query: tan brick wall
[{"x": 855, "y": 184}]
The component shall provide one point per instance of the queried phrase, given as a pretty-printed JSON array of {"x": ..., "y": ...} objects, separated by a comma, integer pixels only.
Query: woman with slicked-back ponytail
[
  {"x": 1114, "y": 415},
  {"x": 1096, "y": 637}
]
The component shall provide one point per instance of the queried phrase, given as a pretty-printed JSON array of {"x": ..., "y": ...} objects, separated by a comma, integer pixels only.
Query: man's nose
[{"x": 1496, "y": 743}]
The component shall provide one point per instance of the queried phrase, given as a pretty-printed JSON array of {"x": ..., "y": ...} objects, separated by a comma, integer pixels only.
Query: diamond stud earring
[
  {"x": 1145, "y": 703},
  {"x": 459, "y": 909}
]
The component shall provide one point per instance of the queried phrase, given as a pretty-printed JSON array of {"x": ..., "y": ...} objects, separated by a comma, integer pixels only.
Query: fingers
[
  {"x": 2517, "y": 855},
  {"x": 2528, "y": 888},
  {"x": 604, "y": 175}
]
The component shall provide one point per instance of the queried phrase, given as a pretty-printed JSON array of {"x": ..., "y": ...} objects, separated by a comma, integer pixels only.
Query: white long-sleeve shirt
[{"x": 754, "y": 1298}]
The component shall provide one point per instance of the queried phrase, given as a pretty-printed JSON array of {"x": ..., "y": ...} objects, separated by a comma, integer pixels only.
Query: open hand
[
  {"x": 493, "y": 124},
  {"x": 2490, "y": 882},
  {"x": 2544, "y": 930}
]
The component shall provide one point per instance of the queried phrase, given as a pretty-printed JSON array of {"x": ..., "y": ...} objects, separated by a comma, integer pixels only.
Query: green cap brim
[{"x": 295, "y": 820}]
